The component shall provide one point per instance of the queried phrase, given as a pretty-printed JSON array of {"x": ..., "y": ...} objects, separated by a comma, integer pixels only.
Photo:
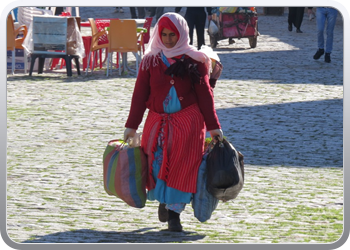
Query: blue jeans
[{"x": 323, "y": 15}]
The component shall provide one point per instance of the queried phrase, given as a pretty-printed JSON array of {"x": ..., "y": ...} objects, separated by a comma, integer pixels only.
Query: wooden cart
[{"x": 235, "y": 25}]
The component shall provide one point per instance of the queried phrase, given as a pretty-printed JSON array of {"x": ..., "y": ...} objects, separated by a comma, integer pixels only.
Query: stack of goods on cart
[
  {"x": 218, "y": 11},
  {"x": 237, "y": 9}
]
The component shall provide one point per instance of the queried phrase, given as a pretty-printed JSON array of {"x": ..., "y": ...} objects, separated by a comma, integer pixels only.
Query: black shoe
[
  {"x": 327, "y": 57},
  {"x": 318, "y": 54},
  {"x": 290, "y": 27},
  {"x": 174, "y": 225},
  {"x": 162, "y": 213},
  {"x": 299, "y": 31}
]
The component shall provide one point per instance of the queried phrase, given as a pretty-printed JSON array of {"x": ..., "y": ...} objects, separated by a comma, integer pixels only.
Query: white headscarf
[{"x": 182, "y": 46}]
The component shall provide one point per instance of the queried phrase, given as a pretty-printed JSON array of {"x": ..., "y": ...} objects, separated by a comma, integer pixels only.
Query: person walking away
[
  {"x": 119, "y": 9},
  {"x": 141, "y": 12},
  {"x": 173, "y": 84},
  {"x": 196, "y": 17},
  {"x": 323, "y": 15},
  {"x": 178, "y": 9},
  {"x": 295, "y": 17},
  {"x": 157, "y": 12}
]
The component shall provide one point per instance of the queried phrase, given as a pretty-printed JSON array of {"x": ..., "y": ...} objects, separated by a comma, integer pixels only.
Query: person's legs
[
  {"x": 190, "y": 23},
  {"x": 141, "y": 12},
  {"x": 291, "y": 17},
  {"x": 200, "y": 26},
  {"x": 159, "y": 12},
  {"x": 331, "y": 21},
  {"x": 152, "y": 11},
  {"x": 299, "y": 15},
  {"x": 178, "y": 9},
  {"x": 163, "y": 213},
  {"x": 174, "y": 223},
  {"x": 320, "y": 19},
  {"x": 133, "y": 12},
  {"x": 174, "y": 211}
]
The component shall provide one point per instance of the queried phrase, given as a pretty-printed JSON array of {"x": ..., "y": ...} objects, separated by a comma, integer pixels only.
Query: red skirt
[{"x": 184, "y": 133}]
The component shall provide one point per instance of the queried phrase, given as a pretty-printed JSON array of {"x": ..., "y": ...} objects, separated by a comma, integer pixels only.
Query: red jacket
[{"x": 153, "y": 85}]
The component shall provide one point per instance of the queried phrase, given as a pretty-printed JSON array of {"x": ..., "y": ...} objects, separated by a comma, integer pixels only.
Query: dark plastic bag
[{"x": 225, "y": 168}]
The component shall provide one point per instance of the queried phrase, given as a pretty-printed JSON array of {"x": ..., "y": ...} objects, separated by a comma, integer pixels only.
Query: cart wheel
[
  {"x": 213, "y": 42},
  {"x": 253, "y": 41}
]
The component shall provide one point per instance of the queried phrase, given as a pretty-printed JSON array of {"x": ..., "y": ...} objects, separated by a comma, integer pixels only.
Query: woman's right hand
[
  {"x": 129, "y": 133},
  {"x": 217, "y": 133}
]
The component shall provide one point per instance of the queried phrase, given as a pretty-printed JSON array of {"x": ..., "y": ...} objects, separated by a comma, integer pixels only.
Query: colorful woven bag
[{"x": 125, "y": 173}]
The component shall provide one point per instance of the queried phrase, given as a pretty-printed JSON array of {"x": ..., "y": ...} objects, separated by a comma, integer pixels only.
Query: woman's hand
[
  {"x": 216, "y": 132},
  {"x": 129, "y": 133}
]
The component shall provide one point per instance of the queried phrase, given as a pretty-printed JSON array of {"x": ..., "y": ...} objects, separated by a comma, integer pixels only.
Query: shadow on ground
[
  {"x": 143, "y": 235},
  {"x": 276, "y": 68},
  {"x": 306, "y": 134}
]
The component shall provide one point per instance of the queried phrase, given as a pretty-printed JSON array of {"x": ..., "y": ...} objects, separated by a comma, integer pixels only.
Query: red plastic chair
[
  {"x": 101, "y": 25},
  {"x": 95, "y": 44},
  {"x": 146, "y": 36}
]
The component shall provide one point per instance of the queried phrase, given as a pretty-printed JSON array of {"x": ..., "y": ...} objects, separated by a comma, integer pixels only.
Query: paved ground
[{"x": 279, "y": 107}]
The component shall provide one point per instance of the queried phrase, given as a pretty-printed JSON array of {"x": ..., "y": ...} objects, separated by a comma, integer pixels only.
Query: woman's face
[{"x": 169, "y": 38}]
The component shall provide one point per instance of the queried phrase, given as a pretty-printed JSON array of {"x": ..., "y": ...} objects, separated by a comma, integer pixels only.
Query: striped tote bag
[{"x": 125, "y": 173}]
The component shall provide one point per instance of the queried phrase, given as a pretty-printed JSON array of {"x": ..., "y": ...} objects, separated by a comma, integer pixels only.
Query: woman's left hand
[
  {"x": 129, "y": 133},
  {"x": 217, "y": 132}
]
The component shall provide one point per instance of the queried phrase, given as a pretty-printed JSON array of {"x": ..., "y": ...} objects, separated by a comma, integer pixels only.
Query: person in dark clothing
[
  {"x": 58, "y": 11},
  {"x": 141, "y": 12},
  {"x": 178, "y": 9},
  {"x": 196, "y": 17},
  {"x": 295, "y": 17},
  {"x": 157, "y": 12}
]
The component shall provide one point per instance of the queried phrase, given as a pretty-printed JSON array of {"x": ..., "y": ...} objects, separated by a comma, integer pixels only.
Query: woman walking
[
  {"x": 173, "y": 83},
  {"x": 295, "y": 17}
]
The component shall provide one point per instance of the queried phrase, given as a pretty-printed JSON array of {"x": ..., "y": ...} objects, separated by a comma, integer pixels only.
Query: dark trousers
[
  {"x": 157, "y": 12},
  {"x": 140, "y": 10},
  {"x": 196, "y": 19},
  {"x": 178, "y": 9},
  {"x": 295, "y": 16}
]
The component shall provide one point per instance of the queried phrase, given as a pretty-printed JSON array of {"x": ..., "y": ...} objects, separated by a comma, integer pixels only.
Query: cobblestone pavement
[{"x": 279, "y": 107}]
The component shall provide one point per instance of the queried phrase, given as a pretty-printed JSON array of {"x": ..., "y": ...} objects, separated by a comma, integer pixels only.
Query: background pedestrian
[
  {"x": 295, "y": 17},
  {"x": 157, "y": 12},
  {"x": 323, "y": 15},
  {"x": 196, "y": 18},
  {"x": 141, "y": 12}
]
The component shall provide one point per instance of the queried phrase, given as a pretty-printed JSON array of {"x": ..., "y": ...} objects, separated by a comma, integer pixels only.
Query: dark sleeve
[
  {"x": 212, "y": 83},
  {"x": 139, "y": 98}
]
